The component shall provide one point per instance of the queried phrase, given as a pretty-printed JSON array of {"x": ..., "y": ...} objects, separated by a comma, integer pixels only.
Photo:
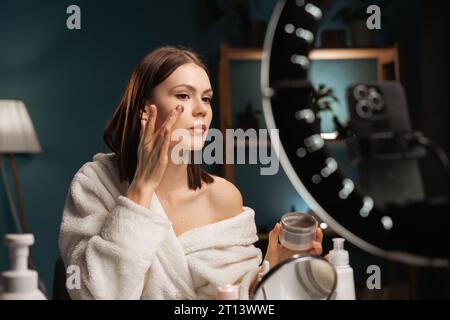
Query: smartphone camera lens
[
  {"x": 376, "y": 100},
  {"x": 360, "y": 92},
  {"x": 364, "y": 110}
]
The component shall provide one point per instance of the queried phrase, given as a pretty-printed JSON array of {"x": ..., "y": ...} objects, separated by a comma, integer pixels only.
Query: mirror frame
[{"x": 295, "y": 258}]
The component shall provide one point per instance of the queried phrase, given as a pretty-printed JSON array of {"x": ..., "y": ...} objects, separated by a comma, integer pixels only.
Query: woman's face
[{"x": 188, "y": 86}]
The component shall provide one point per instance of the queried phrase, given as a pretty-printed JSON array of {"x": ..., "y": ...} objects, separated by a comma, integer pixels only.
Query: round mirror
[
  {"x": 298, "y": 278},
  {"x": 366, "y": 216}
]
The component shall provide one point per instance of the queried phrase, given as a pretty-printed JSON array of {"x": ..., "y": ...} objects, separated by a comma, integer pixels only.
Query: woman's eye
[
  {"x": 182, "y": 96},
  {"x": 207, "y": 99}
]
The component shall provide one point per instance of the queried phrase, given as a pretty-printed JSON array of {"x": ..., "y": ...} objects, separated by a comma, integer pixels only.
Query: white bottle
[
  {"x": 345, "y": 288},
  {"x": 20, "y": 283},
  {"x": 227, "y": 292}
]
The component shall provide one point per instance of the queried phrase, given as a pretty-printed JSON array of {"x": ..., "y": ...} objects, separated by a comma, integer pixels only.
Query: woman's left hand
[{"x": 277, "y": 253}]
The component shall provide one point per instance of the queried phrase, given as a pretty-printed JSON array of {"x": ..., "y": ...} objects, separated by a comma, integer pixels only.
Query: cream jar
[{"x": 297, "y": 231}]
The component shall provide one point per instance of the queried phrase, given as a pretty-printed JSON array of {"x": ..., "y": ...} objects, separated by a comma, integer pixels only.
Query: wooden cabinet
[{"x": 386, "y": 61}]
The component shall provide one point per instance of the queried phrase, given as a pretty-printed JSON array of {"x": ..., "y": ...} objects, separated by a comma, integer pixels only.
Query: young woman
[{"x": 138, "y": 225}]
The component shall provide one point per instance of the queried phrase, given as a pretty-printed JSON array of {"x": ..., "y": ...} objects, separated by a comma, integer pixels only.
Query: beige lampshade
[{"x": 17, "y": 133}]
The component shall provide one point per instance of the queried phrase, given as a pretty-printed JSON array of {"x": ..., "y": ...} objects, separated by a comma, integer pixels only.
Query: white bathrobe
[{"x": 126, "y": 251}]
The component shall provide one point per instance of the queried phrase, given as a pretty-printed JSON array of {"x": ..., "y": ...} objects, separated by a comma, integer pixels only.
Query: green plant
[{"x": 321, "y": 99}]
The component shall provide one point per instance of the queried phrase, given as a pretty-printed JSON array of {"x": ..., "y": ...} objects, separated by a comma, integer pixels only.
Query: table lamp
[{"x": 17, "y": 136}]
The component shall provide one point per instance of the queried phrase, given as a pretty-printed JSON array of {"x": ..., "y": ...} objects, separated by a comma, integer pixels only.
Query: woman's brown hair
[{"x": 122, "y": 133}]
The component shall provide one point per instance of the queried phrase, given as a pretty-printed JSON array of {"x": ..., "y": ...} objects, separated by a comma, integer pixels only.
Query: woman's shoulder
[{"x": 225, "y": 197}]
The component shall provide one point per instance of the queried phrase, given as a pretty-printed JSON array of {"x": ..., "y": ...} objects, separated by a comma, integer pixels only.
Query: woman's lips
[{"x": 198, "y": 129}]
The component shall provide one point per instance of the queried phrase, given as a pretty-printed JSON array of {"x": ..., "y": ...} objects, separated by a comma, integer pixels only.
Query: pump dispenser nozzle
[
  {"x": 339, "y": 256},
  {"x": 20, "y": 283},
  {"x": 18, "y": 245},
  {"x": 338, "y": 243}
]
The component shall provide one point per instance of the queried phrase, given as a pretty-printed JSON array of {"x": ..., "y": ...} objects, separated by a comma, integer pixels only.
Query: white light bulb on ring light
[
  {"x": 301, "y": 152},
  {"x": 367, "y": 207},
  {"x": 307, "y": 35},
  {"x": 387, "y": 222},
  {"x": 347, "y": 189},
  {"x": 305, "y": 114},
  {"x": 314, "y": 143},
  {"x": 331, "y": 167},
  {"x": 316, "y": 179},
  {"x": 289, "y": 28},
  {"x": 323, "y": 226},
  {"x": 314, "y": 11},
  {"x": 300, "y": 60}
]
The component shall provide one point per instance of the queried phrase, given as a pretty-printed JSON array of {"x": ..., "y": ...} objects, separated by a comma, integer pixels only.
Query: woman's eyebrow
[{"x": 192, "y": 88}]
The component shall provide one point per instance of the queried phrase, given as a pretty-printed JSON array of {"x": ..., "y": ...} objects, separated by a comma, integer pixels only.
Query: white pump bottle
[
  {"x": 345, "y": 289},
  {"x": 19, "y": 283}
]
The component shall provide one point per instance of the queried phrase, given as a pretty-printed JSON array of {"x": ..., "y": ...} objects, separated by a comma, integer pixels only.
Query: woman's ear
[
  {"x": 144, "y": 113},
  {"x": 146, "y": 107}
]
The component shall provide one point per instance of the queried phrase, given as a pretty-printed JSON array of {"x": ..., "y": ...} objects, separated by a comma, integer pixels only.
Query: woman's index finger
[
  {"x": 174, "y": 116},
  {"x": 150, "y": 123}
]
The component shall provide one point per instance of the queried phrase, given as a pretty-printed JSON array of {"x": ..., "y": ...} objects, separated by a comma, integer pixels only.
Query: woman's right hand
[
  {"x": 152, "y": 156},
  {"x": 277, "y": 253}
]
